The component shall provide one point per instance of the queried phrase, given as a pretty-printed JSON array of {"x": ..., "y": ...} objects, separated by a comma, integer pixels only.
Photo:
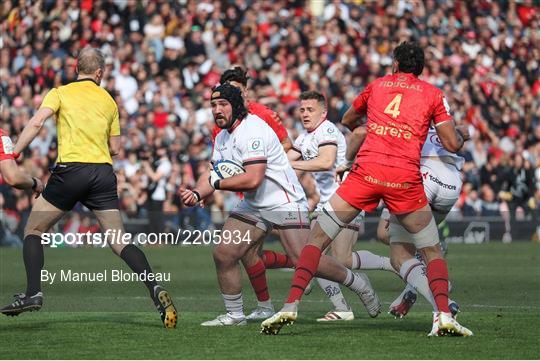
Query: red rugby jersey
[{"x": 400, "y": 108}]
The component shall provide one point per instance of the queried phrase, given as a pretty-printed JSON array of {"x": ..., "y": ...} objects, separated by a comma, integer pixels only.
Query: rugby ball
[{"x": 227, "y": 168}]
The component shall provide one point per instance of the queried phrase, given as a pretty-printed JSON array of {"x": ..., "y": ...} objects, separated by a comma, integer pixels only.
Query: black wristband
[
  {"x": 197, "y": 194},
  {"x": 34, "y": 183},
  {"x": 214, "y": 185}
]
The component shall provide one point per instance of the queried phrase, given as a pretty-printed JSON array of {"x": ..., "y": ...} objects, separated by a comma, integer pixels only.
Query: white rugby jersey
[
  {"x": 251, "y": 142},
  {"x": 433, "y": 149},
  {"x": 308, "y": 144}
]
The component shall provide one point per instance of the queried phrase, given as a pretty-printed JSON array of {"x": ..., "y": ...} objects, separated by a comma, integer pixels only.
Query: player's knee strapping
[
  {"x": 427, "y": 237},
  {"x": 329, "y": 222}
]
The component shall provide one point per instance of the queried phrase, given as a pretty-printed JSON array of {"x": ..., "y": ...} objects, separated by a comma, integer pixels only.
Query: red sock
[
  {"x": 437, "y": 275},
  {"x": 276, "y": 260},
  {"x": 257, "y": 277},
  {"x": 306, "y": 268}
]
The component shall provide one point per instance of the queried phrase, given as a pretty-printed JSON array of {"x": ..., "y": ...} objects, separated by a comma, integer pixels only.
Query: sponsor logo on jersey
[
  {"x": 388, "y": 130},
  {"x": 255, "y": 147},
  {"x": 395, "y": 185},
  {"x": 221, "y": 149},
  {"x": 441, "y": 183},
  {"x": 290, "y": 217},
  {"x": 434, "y": 138},
  {"x": 256, "y": 144},
  {"x": 400, "y": 84}
]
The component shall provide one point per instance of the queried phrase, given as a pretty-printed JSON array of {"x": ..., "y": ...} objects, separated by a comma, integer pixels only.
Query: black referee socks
[
  {"x": 136, "y": 260},
  {"x": 33, "y": 262}
]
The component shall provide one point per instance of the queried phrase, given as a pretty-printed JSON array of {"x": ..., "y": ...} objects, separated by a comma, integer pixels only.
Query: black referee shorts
[{"x": 94, "y": 185}]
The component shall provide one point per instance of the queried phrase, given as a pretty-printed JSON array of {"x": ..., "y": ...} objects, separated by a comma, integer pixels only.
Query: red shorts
[{"x": 368, "y": 183}]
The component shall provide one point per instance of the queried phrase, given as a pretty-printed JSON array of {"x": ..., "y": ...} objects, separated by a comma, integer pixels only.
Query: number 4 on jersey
[{"x": 393, "y": 107}]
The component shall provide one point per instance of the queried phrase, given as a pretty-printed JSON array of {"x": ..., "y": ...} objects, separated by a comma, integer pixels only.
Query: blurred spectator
[
  {"x": 489, "y": 206},
  {"x": 163, "y": 57},
  {"x": 157, "y": 174}
]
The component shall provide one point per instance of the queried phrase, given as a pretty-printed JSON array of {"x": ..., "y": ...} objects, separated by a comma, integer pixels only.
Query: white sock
[
  {"x": 368, "y": 260},
  {"x": 234, "y": 305},
  {"x": 354, "y": 283},
  {"x": 413, "y": 272},
  {"x": 265, "y": 304},
  {"x": 333, "y": 292}
]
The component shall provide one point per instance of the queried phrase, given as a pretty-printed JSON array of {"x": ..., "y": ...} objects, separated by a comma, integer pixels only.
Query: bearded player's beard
[{"x": 226, "y": 125}]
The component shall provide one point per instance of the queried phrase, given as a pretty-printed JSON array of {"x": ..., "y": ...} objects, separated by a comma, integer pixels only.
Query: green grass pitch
[{"x": 497, "y": 285}]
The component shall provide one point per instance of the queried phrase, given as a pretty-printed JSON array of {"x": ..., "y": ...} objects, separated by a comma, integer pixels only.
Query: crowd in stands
[{"x": 163, "y": 57}]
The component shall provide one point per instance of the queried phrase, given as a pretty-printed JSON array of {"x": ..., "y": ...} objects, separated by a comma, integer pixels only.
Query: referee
[{"x": 88, "y": 135}]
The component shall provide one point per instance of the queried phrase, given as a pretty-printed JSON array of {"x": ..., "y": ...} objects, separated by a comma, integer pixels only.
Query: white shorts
[
  {"x": 357, "y": 224},
  {"x": 289, "y": 215},
  {"x": 442, "y": 184}
]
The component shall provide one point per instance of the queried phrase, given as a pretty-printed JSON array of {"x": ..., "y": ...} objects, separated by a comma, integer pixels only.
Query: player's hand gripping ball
[{"x": 223, "y": 169}]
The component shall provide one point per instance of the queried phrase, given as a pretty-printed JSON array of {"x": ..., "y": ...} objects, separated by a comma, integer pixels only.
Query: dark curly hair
[
  {"x": 410, "y": 58},
  {"x": 236, "y": 74}
]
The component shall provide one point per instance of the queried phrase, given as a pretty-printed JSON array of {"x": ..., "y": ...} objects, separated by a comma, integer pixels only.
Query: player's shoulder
[
  {"x": 327, "y": 128},
  {"x": 255, "y": 108},
  {"x": 254, "y": 122},
  {"x": 263, "y": 112},
  {"x": 103, "y": 96},
  {"x": 107, "y": 96}
]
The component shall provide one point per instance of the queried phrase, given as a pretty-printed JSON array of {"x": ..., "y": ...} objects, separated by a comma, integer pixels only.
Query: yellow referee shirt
[{"x": 86, "y": 116}]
